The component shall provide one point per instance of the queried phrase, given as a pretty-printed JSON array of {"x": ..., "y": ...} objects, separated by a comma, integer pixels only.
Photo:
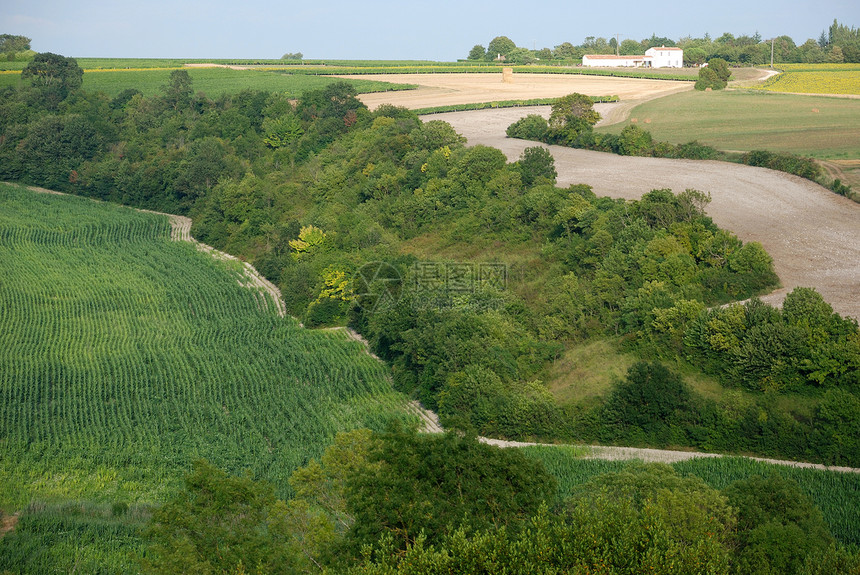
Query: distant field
[
  {"x": 217, "y": 81},
  {"x": 816, "y": 79},
  {"x": 819, "y": 127},
  {"x": 125, "y": 355},
  {"x": 834, "y": 493},
  {"x": 211, "y": 81}
]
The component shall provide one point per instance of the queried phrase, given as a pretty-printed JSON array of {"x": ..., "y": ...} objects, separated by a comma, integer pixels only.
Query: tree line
[{"x": 837, "y": 43}]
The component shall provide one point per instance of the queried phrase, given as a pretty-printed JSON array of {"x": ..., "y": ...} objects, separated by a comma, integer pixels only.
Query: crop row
[{"x": 138, "y": 355}]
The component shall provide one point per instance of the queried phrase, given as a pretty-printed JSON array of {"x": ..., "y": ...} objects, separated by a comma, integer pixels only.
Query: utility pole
[{"x": 617, "y": 45}]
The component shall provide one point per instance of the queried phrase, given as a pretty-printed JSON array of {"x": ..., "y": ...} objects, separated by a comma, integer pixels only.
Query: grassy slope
[
  {"x": 124, "y": 356},
  {"x": 820, "y": 127}
]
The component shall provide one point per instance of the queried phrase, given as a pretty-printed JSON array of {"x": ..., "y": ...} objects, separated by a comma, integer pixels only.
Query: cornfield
[{"x": 124, "y": 356}]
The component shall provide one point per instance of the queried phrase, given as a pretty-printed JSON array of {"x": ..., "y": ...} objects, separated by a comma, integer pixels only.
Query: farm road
[{"x": 812, "y": 234}]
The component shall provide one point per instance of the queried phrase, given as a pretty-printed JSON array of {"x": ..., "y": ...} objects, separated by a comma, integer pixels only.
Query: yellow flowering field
[{"x": 816, "y": 79}]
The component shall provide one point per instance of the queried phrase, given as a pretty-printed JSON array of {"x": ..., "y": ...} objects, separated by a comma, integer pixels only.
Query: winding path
[{"x": 812, "y": 234}]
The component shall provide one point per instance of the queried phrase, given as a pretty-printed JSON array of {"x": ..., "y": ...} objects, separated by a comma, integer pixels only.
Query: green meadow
[{"x": 815, "y": 126}]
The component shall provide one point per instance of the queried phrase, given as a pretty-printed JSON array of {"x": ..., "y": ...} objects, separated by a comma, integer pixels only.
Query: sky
[{"x": 442, "y": 30}]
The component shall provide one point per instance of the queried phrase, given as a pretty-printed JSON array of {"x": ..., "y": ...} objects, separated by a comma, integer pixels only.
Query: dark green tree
[
  {"x": 178, "y": 91},
  {"x": 477, "y": 52},
  {"x": 500, "y": 45},
  {"x": 537, "y": 165},
  {"x": 708, "y": 78},
  {"x": 721, "y": 67},
  {"x": 571, "y": 116},
  {"x": 778, "y": 525},
  {"x": 634, "y": 141},
  {"x": 436, "y": 483},
  {"x": 54, "y": 77},
  {"x": 10, "y": 44},
  {"x": 651, "y": 399},
  {"x": 217, "y": 524},
  {"x": 531, "y": 127}
]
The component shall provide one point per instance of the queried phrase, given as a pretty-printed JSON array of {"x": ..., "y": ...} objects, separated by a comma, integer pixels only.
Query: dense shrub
[
  {"x": 708, "y": 78},
  {"x": 531, "y": 127},
  {"x": 804, "y": 167}
]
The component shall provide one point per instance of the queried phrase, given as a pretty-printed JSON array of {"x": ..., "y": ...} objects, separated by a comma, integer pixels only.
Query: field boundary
[{"x": 615, "y": 453}]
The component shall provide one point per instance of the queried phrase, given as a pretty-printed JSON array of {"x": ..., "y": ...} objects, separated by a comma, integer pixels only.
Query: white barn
[{"x": 661, "y": 57}]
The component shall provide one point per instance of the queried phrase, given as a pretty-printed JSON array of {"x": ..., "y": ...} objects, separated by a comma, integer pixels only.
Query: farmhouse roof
[{"x": 667, "y": 48}]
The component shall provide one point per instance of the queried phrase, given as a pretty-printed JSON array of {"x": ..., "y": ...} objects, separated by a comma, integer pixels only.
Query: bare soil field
[
  {"x": 450, "y": 89},
  {"x": 812, "y": 234}
]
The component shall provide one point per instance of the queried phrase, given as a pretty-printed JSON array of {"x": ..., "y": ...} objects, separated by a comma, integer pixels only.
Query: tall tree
[
  {"x": 500, "y": 45},
  {"x": 10, "y": 44},
  {"x": 54, "y": 77},
  {"x": 178, "y": 90},
  {"x": 477, "y": 52}
]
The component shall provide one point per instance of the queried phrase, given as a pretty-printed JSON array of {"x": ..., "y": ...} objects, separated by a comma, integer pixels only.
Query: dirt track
[{"x": 812, "y": 234}]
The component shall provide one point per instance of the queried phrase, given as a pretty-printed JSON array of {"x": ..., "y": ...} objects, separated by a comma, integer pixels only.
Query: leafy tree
[
  {"x": 178, "y": 91},
  {"x": 565, "y": 51},
  {"x": 656, "y": 41},
  {"x": 11, "y": 45},
  {"x": 55, "y": 148},
  {"x": 521, "y": 56},
  {"x": 435, "y": 483},
  {"x": 634, "y": 141},
  {"x": 648, "y": 519},
  {"x": 531, "y": 127},
  {"x": 709, "y": 79},
  {"x": 217, "y": 524},
  {"x": 629, "y": 47},
  {"x": 500, "y": 45},
  {"x": 477, "y": 52},
  {"x": 54, "y": 77},
  {"x": 571, "y": 116},
  {"x": 778, "y": 525},
  {"x": 721, "y": 67},
  {"x": 310, "y": 238},
  {"x": 536, "y": 165},
  {"x": 544, "y": 54},
  {"x": 651, "y": 398}
]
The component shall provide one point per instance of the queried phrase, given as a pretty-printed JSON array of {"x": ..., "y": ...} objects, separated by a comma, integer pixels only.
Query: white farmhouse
[
  {"x": 661, "y": 57},
  {"x": 664, "y": 57}
]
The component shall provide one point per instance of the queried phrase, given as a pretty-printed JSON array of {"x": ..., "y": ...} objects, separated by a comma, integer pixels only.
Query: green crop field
[
  {"x": 834, "y": 493},
  {"x": 211, "y": 81},
  {"x": 125, "y": 355},
  {"x": 815, "y": 126}
]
